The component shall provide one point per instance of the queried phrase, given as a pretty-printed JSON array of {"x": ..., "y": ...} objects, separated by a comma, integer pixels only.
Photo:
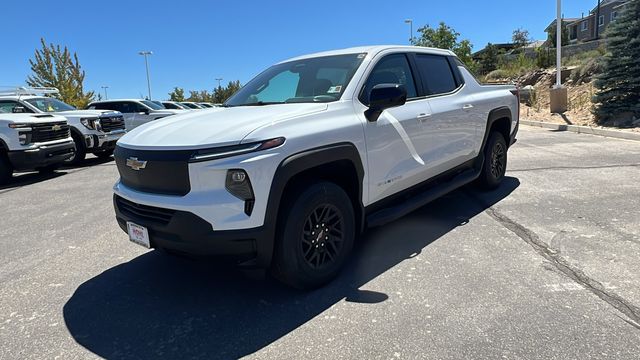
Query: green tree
[
  {"x": 177, "y": 94},
  {"x": 221, "y": 94},
  {"x": 444, "y": 37},
  {"x": 489, "y": 59},
  {"x": 520, "y": 38},
  {"x": 552, "y": 36},
  {"x": 53, "y": 66},
  {"x": 618, "y": 86}
]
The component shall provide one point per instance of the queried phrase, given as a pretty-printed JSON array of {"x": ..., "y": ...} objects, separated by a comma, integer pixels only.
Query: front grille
[
  {"x": 158, "y": 172},
  {"x": 144, "y": 212},
  {"x": 49, "y": 132},
  {"x": 112, "y": 123}
]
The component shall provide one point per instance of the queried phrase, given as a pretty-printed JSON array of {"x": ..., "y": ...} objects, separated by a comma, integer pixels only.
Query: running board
[{"x": 395, "y": 212}]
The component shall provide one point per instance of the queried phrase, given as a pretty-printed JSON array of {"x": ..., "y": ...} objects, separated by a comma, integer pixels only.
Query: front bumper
[
  {"x": 187, "y": 233},
  {"x": 102, "y": 142},
  {"x": 41, "y": 156}
]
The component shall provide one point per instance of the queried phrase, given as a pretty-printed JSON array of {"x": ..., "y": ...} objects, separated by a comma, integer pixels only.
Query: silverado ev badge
[{"x": 136, "y": 164}]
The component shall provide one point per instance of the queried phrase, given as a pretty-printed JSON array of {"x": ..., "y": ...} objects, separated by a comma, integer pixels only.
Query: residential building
[{"x": 594, "y": 25}]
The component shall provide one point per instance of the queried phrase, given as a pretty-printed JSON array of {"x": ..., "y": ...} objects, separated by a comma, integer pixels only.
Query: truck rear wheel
[
  {"x": 495, "y": 162},
  {"x": 6, "y": 170},
  {"x": 315, "y": 236}
]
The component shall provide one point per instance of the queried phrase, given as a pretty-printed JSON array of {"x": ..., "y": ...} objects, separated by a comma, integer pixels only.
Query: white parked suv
[
  {"x": 136, "y": 112},
  {"x": 309, "y": 153},
  {"x": 93, "y": 131},
  {"x": 32, "y": 142}
]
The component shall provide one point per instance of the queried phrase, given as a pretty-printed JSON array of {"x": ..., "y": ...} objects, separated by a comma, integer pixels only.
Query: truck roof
[{"x": 373, "y": 49}]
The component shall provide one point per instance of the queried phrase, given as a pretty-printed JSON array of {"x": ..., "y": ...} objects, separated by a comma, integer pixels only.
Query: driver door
[{"x": 395, "y": 161}]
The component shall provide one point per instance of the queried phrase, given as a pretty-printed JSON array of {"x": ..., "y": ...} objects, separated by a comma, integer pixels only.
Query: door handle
[
  {"x": 467, "y": 107},
  {"x": 423, "y": 116}
]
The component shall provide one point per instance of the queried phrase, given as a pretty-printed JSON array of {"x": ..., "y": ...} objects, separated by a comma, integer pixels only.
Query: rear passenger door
[{"x": 450, "y": 132}]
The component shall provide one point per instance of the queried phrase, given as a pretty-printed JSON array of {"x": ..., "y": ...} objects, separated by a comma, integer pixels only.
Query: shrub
[{"x": 498, "y": 75}]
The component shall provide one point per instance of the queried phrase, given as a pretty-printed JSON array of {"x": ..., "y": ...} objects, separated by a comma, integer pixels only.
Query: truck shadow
[{"x": 155, "y": 306}]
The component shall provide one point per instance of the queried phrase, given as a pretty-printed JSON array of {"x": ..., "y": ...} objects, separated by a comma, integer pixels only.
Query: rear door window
[{"x": 436, "y": 74}]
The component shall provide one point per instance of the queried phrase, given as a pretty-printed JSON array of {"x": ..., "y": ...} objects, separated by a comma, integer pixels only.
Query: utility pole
[
  {"x": 219, "y": 80},
  {"x": 410, "y": 22},
  {"x": 105, "y": 91},
  {"x": 146, "y": 64},
  {"x": 558, "y": 95}
]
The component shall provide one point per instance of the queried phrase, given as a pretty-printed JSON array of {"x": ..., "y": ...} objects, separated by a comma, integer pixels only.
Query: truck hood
[
  {"x": 88, "y": 113},
  {"x": 30, "y": 118},
  {"x": 212, "y": 127}
]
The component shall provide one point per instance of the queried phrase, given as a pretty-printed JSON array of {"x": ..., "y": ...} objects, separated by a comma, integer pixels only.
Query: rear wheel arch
[{"x": 499, "y": 120}]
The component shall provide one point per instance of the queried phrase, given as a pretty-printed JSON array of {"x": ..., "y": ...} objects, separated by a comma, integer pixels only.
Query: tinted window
[
  {"x": 106, "y": 106},
  {"x": 392, "y": 69},
  {"x": 151, "y": 104},
  {"x": 436, "y": 74},
  {"x": 8, "y": 106},
  {"x": 171, "y": 106}
]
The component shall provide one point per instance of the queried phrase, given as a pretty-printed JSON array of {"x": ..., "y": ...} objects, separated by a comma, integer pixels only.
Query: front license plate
[{"x": 138, "y": 234}]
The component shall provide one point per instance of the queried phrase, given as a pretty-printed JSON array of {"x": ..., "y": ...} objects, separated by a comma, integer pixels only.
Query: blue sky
[{"x": 195, "y": 42}]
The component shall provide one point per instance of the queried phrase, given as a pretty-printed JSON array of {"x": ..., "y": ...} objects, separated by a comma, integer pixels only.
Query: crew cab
[
  {"x": 309, "y": 153},
  {"x": 93, "y": 131},
  {"x": 32, "y": 142},
  {"x": 136, "y": 111}
]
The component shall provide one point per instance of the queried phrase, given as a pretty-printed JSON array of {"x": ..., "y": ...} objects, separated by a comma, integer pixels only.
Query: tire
[
  {"x": 6, "y": 170},
  {"x": 302, "y": 257},
  {"x": 80, "y": 153},
  {"x": 495, "y": 162},
  {"x": 103, "y": 155}
]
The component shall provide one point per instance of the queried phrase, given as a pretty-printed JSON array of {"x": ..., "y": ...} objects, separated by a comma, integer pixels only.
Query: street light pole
[
  {"x": 105, "y": 92},
  {"x": 410, "y": 22},
  {"x": 558, "y": 103},
  {"x": 559, "y": 45},
  {"x": 219, "y": 80},
  {"x": 146, "y": 64}
]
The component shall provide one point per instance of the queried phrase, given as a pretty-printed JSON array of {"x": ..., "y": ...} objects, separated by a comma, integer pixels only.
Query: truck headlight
[
  {"x": 234, "y": 150},
  {"x": 91, "y": 123},
  {"x": 23, "y": 137},
  {"x": 239, "y": 185}
]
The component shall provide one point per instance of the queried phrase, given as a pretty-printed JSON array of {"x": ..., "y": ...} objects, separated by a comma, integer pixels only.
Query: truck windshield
[
  {"x": 152, "y": 105},
  {"x": 320, "y": 79},
  {"x": 49, "y": 104}
]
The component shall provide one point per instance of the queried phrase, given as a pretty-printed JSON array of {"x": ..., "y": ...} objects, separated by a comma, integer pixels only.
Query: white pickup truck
[
  {"x": 309, "y": 153},
  {"x": 32, "y": 142},
  {"x": 93, "y": 131}
]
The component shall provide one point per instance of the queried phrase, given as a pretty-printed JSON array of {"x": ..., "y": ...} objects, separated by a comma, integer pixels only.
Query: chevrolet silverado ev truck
[
  {"x": 32, "y": 142},
  {"x": 309, "y": 153},
  {"x": 93, "y": 131}
]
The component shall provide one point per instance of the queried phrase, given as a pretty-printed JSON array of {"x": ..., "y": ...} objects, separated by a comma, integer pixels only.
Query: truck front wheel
[
  {"x": 6, "y": 170},
  {"x": 80, "y": 153},
  {"x": 315, "y": 236}
]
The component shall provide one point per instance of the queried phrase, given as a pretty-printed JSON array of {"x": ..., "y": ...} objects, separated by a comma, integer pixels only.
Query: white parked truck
[
  {"x": 136, "y": 111},
  {"x": 93, "y": 131},
  {"x": 309, "y": 153},
  {"x": 32, "y": 142}
]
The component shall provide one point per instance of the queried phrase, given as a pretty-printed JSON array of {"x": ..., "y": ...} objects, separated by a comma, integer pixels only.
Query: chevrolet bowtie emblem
[
  {"x": 135, "y": 164},
  {"x": 56, "y": 127}
]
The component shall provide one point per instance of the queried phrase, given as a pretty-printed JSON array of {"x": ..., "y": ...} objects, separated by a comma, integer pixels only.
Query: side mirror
[
  {"x": 384, "y": 96},
  {"x": 18, "y": 110}
]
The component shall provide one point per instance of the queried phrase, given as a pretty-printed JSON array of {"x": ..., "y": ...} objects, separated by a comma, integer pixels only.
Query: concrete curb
[{"x": 619, "y": 134}]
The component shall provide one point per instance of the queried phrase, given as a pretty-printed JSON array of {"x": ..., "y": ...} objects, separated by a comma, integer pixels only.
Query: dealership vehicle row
[{"x": 40, "y": 132}]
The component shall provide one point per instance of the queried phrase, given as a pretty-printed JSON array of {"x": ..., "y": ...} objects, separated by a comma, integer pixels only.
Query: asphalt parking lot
[{"x": 546, "y": 267}]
